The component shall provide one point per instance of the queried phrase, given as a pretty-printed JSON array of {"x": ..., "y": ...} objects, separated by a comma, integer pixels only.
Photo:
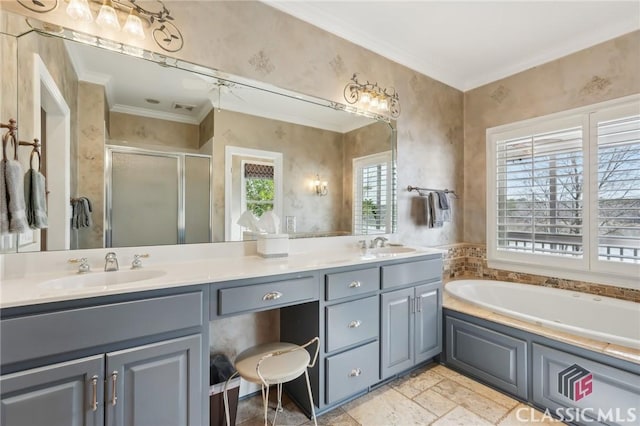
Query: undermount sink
[
  {"x": 391, "y": 251},
  {"x": 100, "y": 279}
]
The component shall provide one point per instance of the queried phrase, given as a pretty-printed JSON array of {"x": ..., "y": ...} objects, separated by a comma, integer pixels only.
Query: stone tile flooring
[{"x": 433, "y": 395}]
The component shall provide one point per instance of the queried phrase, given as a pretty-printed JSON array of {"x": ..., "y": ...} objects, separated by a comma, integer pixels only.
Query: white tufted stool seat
[{"x": 274, "y": 364}]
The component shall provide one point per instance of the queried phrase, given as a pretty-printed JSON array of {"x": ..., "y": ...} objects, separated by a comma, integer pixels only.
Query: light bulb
[
  {"x": 374, "y": 102},
  {"x": 383, "y": 105},
  {"x": 133, "y": 25},
  {"x": 365, "y": 98},
  {"x": 79, "y": 10},
  {"x": 107, "y": 17}
]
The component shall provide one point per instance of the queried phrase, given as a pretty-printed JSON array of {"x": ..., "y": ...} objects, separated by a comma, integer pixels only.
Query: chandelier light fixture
[
  {"x": 154, "y": 18},
  {"x": 372, "y": 97}
]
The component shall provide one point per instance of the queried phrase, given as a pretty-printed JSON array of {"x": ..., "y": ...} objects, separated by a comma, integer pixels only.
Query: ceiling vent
[{"x": 183, "y": 107}]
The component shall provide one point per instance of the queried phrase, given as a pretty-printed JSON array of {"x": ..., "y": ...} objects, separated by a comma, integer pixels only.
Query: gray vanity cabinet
[
  {"x": 60, "y": 394},
  {"x": 132, "y": 361},
  {"x": 155, "y": 384},
  {"x": 411, "y": 316}
]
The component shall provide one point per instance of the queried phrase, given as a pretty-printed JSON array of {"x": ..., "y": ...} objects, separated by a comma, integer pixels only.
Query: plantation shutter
[
  {"x": 618, "y": 205},
  {"x": 372, "y": 194},
  {"x": 539, "y": 193}
]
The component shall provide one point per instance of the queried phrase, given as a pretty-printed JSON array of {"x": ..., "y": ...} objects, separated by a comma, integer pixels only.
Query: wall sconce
[
  {"x": 372, "y": 97},
  {"x": 320, "y": 186},
  {"x": 159, "y": 20}
]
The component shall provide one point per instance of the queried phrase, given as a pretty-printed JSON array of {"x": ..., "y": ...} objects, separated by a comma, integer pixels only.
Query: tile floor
[{"x": 433, "y": 395}]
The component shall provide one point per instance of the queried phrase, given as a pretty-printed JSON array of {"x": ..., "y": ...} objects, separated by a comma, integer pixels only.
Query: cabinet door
[
  {"x": 428, "y": 321},
  {"x": 156, "y": 384},
  {"x": 397, "y": 332},
  {"x": 65, "y": 394}
]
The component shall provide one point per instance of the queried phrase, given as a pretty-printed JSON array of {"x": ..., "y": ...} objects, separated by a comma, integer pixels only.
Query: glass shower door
[{"x": 145, "y": 197}]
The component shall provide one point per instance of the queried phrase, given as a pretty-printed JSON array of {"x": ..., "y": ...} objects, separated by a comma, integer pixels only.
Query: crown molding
[{"x": 149, "y": 113}]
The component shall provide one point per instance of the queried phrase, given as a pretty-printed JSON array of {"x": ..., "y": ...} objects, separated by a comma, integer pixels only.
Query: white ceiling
[{"x": 466, "y": 44}]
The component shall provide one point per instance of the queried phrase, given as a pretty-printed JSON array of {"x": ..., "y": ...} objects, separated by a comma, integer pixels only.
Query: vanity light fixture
[
  {"x": 372, "y": 97},
  {"x": 107, "y": 17},
  {"x": 321, "y": 186},
  {"x": 133, "y": 25},
  {"x": 79, "y": 10},
  {"x": 154, "y": 15}
]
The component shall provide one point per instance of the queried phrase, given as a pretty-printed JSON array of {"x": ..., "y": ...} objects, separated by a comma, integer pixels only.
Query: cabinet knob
[
  {"x": 354, "y": 324},
  {"x": 355, "y": 284},
  {"x": 273, "y": 295},
  {"x": 355, "y": 372}
]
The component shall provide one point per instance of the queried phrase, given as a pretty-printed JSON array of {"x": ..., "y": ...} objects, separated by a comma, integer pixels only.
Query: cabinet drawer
[
  {"x": 413, "y": 272},
  {"x": 352, "y": 283},
  {"x": 36, "y": 336},
  {"x": 265, "y": 296},
  {"x": 352, "y": 322},
  {"x": 351, "y": 372}
]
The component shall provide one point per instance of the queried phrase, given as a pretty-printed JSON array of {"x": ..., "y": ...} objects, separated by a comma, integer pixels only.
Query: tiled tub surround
[{"x": 470, "y": 261}]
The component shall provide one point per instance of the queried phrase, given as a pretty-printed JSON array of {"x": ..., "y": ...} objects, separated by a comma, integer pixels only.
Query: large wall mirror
[{"x": 139, "y": 149}]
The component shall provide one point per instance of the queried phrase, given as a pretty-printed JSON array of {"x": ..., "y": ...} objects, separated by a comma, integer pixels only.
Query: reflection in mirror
[{"x": 149, "y": 154}]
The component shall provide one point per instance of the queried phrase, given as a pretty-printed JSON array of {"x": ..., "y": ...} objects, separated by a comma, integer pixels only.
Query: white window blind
[
  {"x": 539, "y": 193},
  {"x": 618, "y": 189},
  {"x": 372, "y": 201}
]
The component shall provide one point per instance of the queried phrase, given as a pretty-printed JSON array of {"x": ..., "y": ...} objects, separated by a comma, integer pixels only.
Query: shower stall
[{"x": 156, "y": 197}]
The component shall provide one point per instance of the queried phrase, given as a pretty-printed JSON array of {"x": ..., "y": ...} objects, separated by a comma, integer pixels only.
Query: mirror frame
[{"x": 52, "y": 30}]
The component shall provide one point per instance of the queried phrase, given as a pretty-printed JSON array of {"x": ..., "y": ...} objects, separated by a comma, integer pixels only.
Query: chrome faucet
[
  {"x": 84, "y": 266},
  {"x": 110, "y": 262},
  {"x": 376, "y": 240},
  {"x": 137, "y": 260}
]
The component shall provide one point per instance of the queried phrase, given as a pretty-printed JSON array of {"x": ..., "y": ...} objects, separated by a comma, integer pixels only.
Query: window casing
[{"x": 563, "y": 194}]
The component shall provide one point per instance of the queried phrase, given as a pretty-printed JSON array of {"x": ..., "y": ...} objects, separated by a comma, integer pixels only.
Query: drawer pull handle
[
  {"x": 355, "y": 372},
  {"x": 355, "y": 284},
  {"x": 114, "y": 380},
  {"x": 272, "y": 295},
  {"x": 94, "y": 393},
  {"x": 355, "y": 324}
]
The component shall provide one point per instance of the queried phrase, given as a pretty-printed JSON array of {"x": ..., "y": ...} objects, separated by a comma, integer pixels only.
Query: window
[
  {"x": 563, "y": 193},
  {"x": 259, "y": 188},
  {"x": 372, "y": 200}
]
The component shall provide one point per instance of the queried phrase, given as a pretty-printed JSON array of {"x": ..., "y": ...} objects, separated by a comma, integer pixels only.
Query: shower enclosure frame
[{"x": 180, "y": 173}]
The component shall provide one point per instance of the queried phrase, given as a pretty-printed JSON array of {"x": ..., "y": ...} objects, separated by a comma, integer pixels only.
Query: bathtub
[{"x": 596, "y": 317}]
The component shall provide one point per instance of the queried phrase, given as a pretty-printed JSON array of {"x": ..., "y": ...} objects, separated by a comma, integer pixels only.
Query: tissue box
[{"x": 273, "y": 245}]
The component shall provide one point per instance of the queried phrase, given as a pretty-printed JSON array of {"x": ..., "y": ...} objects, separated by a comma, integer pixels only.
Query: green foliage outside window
[{"x": 259, "y": 194}]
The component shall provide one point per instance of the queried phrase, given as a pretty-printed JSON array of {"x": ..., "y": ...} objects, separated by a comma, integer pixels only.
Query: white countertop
[{"x": 31, "y": 288}]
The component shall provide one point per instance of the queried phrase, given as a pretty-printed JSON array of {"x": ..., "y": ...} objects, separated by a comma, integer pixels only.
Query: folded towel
[
  {"x": 81, "y": 213},
  {"x": 442, "y": 200},
  {"x": 420, "y": 211},
  {"x": 14, "y": 184},
  {"x": 4, "y": 201},
  {"x": 35, "y": 199},
  {"x": 438, "y": 216}
]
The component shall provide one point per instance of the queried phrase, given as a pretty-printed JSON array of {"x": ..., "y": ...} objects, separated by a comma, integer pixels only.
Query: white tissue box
[{"x": 273, "y": 245}]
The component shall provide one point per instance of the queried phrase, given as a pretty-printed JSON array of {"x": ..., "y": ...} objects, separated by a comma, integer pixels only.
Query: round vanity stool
[{"x": 274, "y": 364}]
